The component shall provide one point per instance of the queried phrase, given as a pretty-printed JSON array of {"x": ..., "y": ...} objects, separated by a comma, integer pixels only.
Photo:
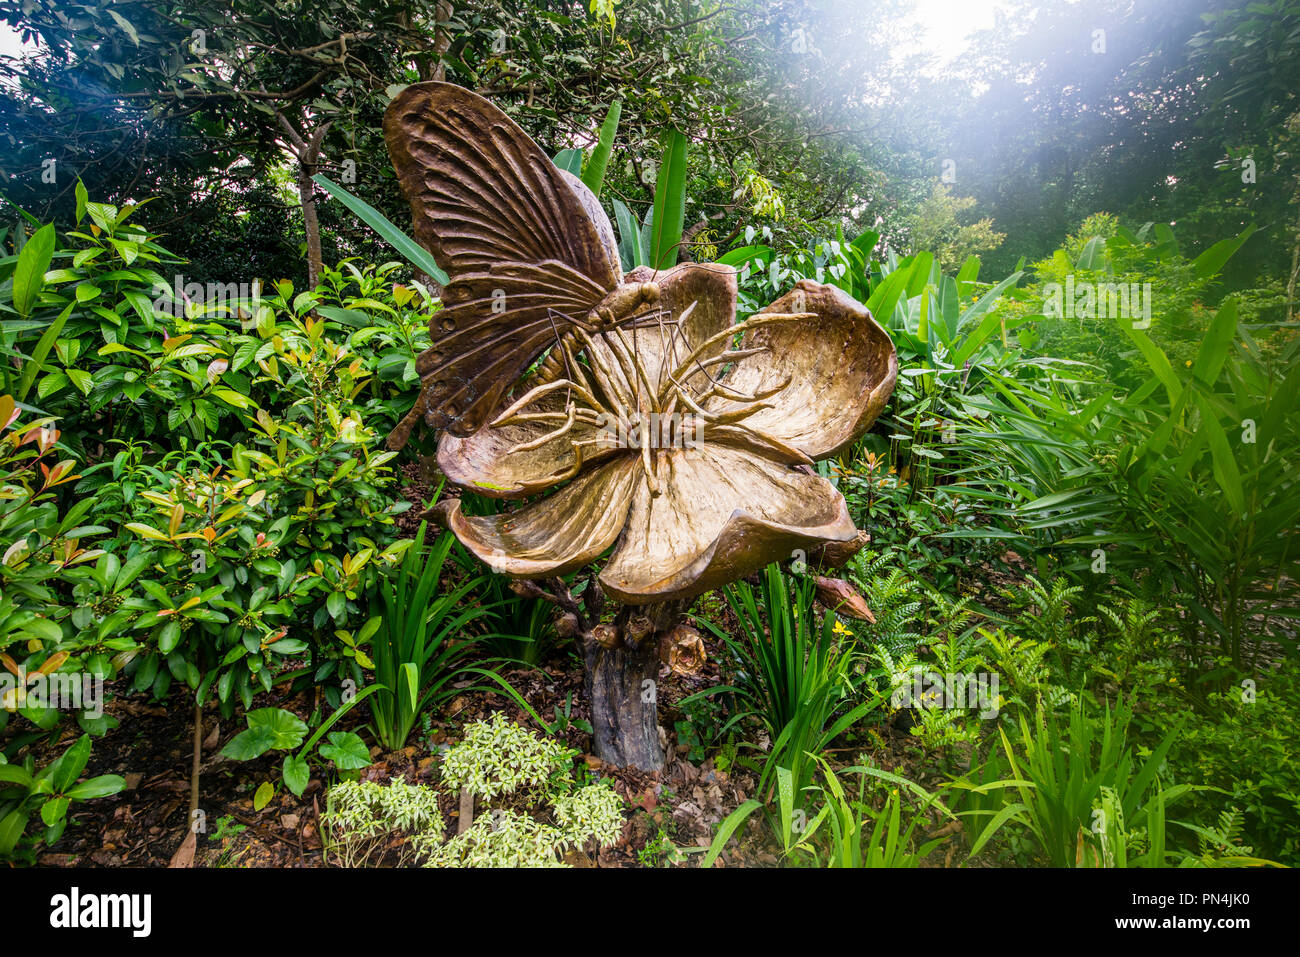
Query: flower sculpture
[
  {"x": 685, "y": 450},
  {"x": 655, "y": 425}
]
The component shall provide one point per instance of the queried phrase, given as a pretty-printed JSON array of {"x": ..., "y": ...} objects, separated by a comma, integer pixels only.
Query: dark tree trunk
[
  {"x": 622, "y": 686},
  {"x": 311, "y": 225},
  {"x": 307, "y": 150},
  {"x": 622, "y": 683},
  {"x": 622, "y": 660}
]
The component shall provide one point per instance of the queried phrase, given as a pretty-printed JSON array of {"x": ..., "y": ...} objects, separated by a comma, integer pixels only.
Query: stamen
[
  {"x": 724, "y": 392},
  {"x": 638, "y": 368},
  {"x": 538, "y": 392},
  {"x": 740, "y": 328},
  {"x": 620, "y": 397},
  {"x": 542, "y": 440}
]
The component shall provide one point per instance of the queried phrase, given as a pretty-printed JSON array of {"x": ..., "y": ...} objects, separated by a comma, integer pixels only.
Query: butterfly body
[{"x": 622, "y": 303}]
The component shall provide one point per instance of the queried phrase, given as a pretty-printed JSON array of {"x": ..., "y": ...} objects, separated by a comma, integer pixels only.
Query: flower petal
[
  {"x": 722, "y": 514},
  {"x": 711, "y": 286},
  {"x": 557, "y": 535},
  {"x": 484, "y": 463},
  {"x": 841, "y": 365}
]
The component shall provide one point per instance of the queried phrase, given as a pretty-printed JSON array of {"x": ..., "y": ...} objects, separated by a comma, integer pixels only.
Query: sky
[
  {"x": 9, "y": 41},
  {"x": 941, "y": 27}
]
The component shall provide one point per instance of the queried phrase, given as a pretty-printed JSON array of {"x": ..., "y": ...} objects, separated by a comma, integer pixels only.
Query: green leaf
[
  {"x": 745, "y": 254},
  {"x": 125, "y": 24},
  {"x": 920, "y": 273},
  {"x": 82, "y": 380},
  {"x": 287, "y": 727},
  {"x": 412, "y": 675},
  {"x": 866, "y": 244},
  {"x": 262, "y": 797},
  {"x": 15, "y": 774},
  {"x": 169, "y": 637},
  {"x": 63, "y": 773},
  {"x": 412, "y": 251},
  {"x": 249, "y": 744},
  {"x": 629, "y": 237},
  {"x": 44, "y": 629},
  {"x": 234, "y": 398},
  {"x": 29, "y": 273},
  {"x": 569, "y": 160},
  {"x": 346, "y": 750},
  {"x": 1216, "y": 344},
  {"x": 594, "y": 175},
  {"x": 43, "y": 347},
  {"x": 98, "y": 787},
  {"x": 728, "y": 827},
  {"x": 348, "y": 317},
  {"x": 82, "y": 196},
  {"x": 335, "y": 603},
  {"x": 967, "y": 275},
  {"x": 670, "y": 203},
  {"x": 11, "y": 829},
  {"x": 1225, "y": 469},
  {"x": 1209, "y": 263},
  {"x": 1008, "y": 811},
  {"x": 1093, "y": 255},
  {"x": 1157, "y": 360},
  {"x": 296, "y": 774}
]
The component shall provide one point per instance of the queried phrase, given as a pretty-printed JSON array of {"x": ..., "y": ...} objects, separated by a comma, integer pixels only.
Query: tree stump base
[{"x": 622, "y": 684}]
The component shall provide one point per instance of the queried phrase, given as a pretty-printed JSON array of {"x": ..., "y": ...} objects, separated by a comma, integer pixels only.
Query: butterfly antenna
[{"x": 564, "y": 353}]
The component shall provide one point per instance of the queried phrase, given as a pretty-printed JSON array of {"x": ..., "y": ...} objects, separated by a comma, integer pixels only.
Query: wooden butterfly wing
[{"x": 523, "y": 247}]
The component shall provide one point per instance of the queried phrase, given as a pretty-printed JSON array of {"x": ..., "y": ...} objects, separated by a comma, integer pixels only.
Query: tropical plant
[
  {"x": 416, "y": 641},
  {"x": 49, "y": 792},
  {"x": 275, "y": 729},
  {"x": 1079, "y": 792},
  {"x": 530, "y": 809},
  {"x": 836, "y": 834},
  {"x": 794, "y": 673}
]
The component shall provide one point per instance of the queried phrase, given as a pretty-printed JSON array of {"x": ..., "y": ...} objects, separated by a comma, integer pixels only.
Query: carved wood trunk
[
  {"x": 622, "y": 683},
  {"x": 622, "y": 686}
]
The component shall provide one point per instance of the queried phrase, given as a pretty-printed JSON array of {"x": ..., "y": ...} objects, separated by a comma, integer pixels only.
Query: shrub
[{"x": 531, "y": 809}]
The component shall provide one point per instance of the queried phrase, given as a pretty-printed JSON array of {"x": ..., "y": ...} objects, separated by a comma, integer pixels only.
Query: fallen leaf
[{"x": 184, "y": 856}]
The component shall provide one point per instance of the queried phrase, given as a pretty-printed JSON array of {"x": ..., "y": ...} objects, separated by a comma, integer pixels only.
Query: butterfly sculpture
[{"x": 528, "y": 250}]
